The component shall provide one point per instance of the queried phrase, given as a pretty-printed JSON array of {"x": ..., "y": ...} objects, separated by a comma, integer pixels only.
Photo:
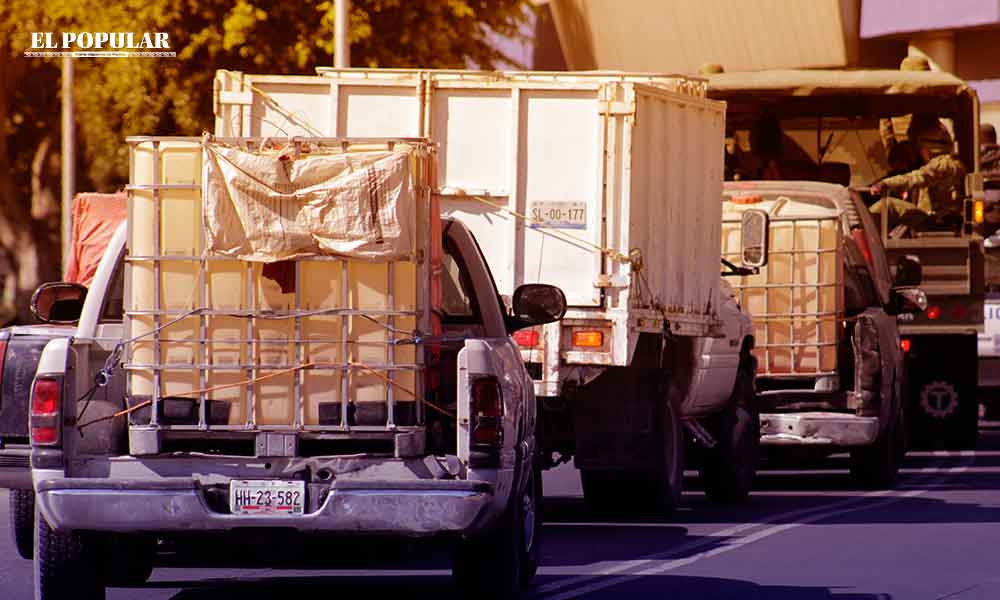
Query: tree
[{"x": 119, "y": 97}]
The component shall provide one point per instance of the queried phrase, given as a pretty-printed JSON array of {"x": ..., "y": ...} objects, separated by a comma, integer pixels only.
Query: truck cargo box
[
  {"x": 605, "y": 184},
  {"x": 313, "y": 326}
]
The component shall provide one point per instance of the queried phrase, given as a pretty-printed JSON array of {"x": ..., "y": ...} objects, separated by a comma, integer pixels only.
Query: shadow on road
[{"x": 440, "y": 588}]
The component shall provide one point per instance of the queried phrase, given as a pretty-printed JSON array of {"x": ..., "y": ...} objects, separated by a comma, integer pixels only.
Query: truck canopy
[{"x": 850, "y": 100}]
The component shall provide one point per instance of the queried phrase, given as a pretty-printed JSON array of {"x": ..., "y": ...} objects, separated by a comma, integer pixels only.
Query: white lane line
[
  {"x": 836, "y": 509},
  {"x": 708, "y": 540}
]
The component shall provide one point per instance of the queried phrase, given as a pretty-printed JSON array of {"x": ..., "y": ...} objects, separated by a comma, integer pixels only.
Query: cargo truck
[
  {"x": 828, "y": 126},
  {"x": 605, "y": 184},
  {"x": 306, "y": 347}
]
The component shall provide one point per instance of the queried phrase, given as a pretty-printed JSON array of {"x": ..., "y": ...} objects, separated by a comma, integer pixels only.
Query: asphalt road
[{"x": 805, "y": 535}]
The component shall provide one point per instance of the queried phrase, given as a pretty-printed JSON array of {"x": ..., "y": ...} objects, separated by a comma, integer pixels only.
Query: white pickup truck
[{"x": 114, "y": 470}]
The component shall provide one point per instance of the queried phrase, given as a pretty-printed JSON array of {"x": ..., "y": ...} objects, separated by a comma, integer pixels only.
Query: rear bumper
[
  {"x": 15, "y": 467},
  {"x": 411, "y": 508},
  {"x": 817, "y": 428}
]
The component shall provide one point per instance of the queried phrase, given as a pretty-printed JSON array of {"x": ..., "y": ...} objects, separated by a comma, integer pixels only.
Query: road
[{"x": 805, "y": 535}]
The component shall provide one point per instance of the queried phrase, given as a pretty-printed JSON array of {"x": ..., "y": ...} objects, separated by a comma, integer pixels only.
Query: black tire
[
  {"x": 22, "y": 521},
  {"x": 876, "y": 466},
  {"x": 531, "y": 556},
  {"x": 602, "y": 491},
  {"x": 728, "y": 470},
  {"x": 63, "y": 569},
  {"x": 127, "y": 560},
  {"x": 498, "y": 564},
  {"x": 668, "y": 481}
]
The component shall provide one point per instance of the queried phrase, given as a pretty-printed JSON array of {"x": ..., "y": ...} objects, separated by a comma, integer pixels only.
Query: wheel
[
  {"x": 127, "y": 560},
  {"x": 22, "y": 521},
  {"x": 63, "y": 569},
  {"x": 727, "y": 471},
  {"x": 498, "y": 564},
  {"x": 876, "y": 466},
  {"x": 668, "y": 481},
  {"x": 531, "y": 555},
  {"x": 602, "y": 491}
]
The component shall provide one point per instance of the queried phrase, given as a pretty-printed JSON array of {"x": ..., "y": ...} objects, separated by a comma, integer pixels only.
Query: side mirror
[
  {"x": 536, "y": 304},
  {"x": 58, "y": 302},
  {"x": 755, "y": 229},
  {"x": 909, "y": 272},
  {"x": 907, "y": 301}
]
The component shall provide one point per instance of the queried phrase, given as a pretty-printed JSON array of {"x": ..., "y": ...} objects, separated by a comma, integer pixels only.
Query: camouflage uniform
[
  {"x": 930, "y": 187},
  {"x": 933, "y": 183}
]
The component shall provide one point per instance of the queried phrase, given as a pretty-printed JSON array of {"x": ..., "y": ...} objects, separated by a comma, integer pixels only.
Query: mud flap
[{"x": 942, "y": 403}]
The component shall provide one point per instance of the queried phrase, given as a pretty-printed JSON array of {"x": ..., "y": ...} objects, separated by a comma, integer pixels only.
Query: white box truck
[{"x": 604, "y": 184}]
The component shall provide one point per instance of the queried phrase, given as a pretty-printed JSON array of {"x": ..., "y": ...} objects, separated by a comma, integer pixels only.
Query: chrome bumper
[
  {"x": 384, "y": 507},
  {"x": 817, "y": 428}
]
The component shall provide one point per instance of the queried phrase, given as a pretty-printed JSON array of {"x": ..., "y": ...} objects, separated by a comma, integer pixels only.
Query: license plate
[
  {"x": 559, "y": 215},
  {"x": 267, "y": 497}
]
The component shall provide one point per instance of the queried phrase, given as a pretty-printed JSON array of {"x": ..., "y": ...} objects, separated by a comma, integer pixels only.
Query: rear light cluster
[
  {"x": 527, "y": 338},
  {"x": 957, "y": 312},
  {"x": 487, "y": 412},
  {"x": 905, "y": 344},
  {"x": 46, "y": 402},
  {"x": 588, "y": 339}
]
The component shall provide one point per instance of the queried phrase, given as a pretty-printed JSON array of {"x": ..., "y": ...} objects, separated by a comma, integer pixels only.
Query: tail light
[
  {"x": 46, "y": 402},
  {"x": 933, "y": 312},
  {"x": 905, "y": 345},
  {"x": 487, "y": 412},
  {"x": 526, "y": 338},
  {"x": 588, "y": 339},
  {"x": 958, "y": 312}
]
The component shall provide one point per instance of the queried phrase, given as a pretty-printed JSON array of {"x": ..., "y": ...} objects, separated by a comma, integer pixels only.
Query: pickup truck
[
  {"x": 114, "y": 471},
  {"x": 95, "y": 217},
  {"x": 830, "y": 371},
  {"x": 20, "y": 348}
]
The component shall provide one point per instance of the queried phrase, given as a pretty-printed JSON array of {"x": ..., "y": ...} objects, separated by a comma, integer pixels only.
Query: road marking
[{"x": 816, "y": 514}]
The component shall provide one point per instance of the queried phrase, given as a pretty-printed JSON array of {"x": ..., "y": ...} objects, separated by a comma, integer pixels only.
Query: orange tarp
[{"x": 95, "y": 218}]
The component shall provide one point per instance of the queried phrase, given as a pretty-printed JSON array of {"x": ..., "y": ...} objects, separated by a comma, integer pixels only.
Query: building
[{"x": 678, "y": 36}]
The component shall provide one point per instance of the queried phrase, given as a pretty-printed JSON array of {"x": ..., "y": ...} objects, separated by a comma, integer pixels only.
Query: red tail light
[
  {"x": 487, "y": 412},
  {"x": 905, "y": 344},
  {"x": 526, "y": 338},
  {"x": 933, "y": 313},
  {"x": 958, "y": 312},
  {"x": 46, "y": 400}
]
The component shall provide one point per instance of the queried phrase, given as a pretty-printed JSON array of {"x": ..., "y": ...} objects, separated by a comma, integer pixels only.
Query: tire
[
  {"x": 531, "y": 555},
  {"x": 127, "y": 560},
  {"x": 22, "y": 521},
  {"x": 496, "y": 566},
  {"x": 668, "y": 481},
  {"x": 728, "y": 470},
  {"x": 876, "y": 466},
  {"x": 63, "y": 569},
  {"x": 602, "y": 491}
]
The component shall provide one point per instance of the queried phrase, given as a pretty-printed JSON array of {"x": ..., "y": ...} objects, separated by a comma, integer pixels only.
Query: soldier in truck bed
[{"x": 933, "y": 185}]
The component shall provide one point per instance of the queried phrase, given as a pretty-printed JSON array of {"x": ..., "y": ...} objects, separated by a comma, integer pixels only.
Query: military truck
[{"x": 828, "y": 126}]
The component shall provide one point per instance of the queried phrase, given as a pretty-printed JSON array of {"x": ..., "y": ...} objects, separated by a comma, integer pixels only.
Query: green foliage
[{"x": 116, "y": 98}]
